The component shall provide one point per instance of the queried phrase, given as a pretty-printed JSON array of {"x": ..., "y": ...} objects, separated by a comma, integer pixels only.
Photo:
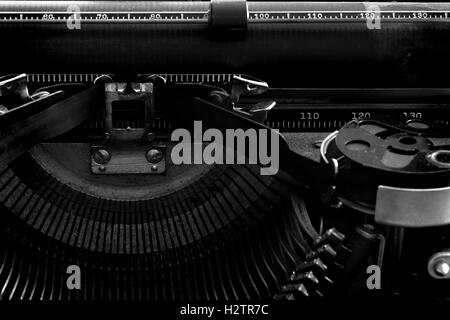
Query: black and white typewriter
[{"x": 224, "y": 150}]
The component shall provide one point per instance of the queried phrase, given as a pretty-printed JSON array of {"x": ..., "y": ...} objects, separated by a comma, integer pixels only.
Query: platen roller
[{"x": 315, "y": 43}]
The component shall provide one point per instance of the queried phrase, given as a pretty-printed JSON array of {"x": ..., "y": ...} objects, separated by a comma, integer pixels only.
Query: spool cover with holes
[{"x": 369, "y": 153}]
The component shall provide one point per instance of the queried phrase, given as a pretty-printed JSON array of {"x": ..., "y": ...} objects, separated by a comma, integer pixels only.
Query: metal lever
[
  {"x": 242, "y": 86},
  {"x": 246, "y": 86},
  {"x": 13, "y": 92}
]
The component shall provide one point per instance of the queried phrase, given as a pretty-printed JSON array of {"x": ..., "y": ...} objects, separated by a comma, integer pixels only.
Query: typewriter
[{"x": 224, "y": 150}]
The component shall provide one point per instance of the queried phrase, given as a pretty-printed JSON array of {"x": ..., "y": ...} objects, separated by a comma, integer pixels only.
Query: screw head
[
  {"x": 337, "y": 204},
  {"x": 151, "y": 136},
  {"x": 442, "y": 268},
  {"x": 216, "y": 97},
  {"x": 101, "y": 156},
  {"x": 154, "y": 156},
  {"x": 154, "y": 168}
]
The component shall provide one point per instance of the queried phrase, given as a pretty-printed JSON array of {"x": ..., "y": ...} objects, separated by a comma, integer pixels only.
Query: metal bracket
[
  {"x": 129, "y": 146},
  {"x": 413, "y": 207},
  {"x": 244, "y": 86}
]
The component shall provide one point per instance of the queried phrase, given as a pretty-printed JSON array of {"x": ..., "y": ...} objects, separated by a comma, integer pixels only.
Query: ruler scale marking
[{"x": 201, "y": 16}]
